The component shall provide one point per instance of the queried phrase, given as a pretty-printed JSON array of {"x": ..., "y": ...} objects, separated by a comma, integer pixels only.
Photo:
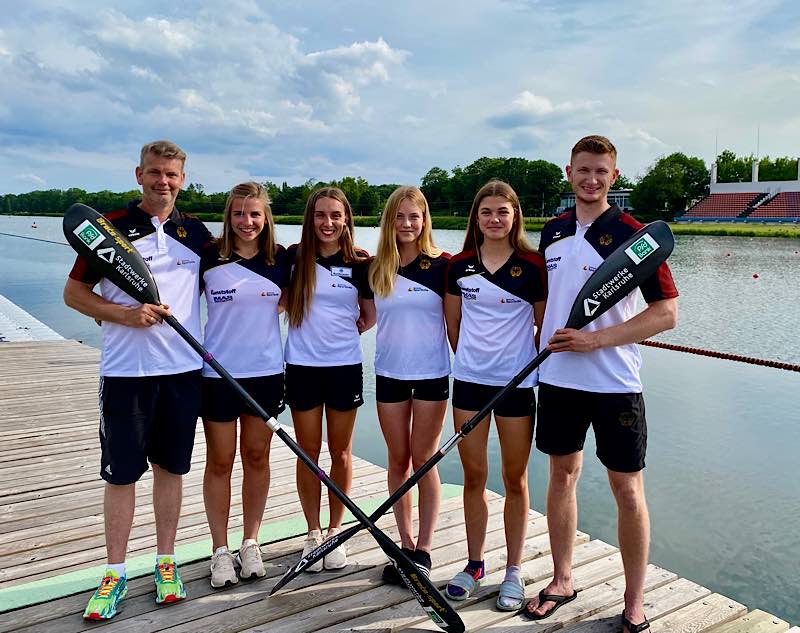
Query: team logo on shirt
[
  {"x": 516, "y": 271},
  {"x": 424, "y": 264},
  {"x": 181, "y": 232},
  {"x": 605, "y": 239}
]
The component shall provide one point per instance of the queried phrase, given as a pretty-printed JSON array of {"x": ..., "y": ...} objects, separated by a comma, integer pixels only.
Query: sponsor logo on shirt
[
  {"x": 149, "y": 258},
  {"x": 591, "y": 269},
  {"x": 270, "y": 293},
  {"x": 340, "y": 286},
  {"x": 510, "y": 300},
  {"x": 341, "y": 271},
  {"x": 223, "y": 296},
  {"x": 133, "y": 232},
  {"x": 552, "y": 262},
  {"x": 470, "y": 268},
  {"x": 183, "y": 262},
  {"x": 470, "y": 293},
  {"x": 418, "y": 289}
]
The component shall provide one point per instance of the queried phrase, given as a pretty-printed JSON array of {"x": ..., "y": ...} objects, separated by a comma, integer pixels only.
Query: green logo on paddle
[
  {"x": 641, "y": 248},
  {"x": 89, "y": 234}
]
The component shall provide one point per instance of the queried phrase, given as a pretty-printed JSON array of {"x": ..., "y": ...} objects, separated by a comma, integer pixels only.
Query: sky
[{"x": 320, "y": 90}]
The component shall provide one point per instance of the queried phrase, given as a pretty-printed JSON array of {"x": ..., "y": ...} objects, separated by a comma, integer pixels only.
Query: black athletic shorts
[
  {"x": 396, "y": 390},
  {"x": 618, "y": 419},
  {"x": 470, "y": 396},
  {"x": 221, "y": 403},
  {"x": 339, "y": 387},
  {"x": 147, "y": 418}
]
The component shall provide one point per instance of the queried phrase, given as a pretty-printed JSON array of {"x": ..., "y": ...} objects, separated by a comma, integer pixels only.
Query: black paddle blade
[
  {"x": 314, "y": 555},
  {"x": 632, "y": 263},
  {"x": 441, "y": 613},
  {"x": 109, "y": 253}
]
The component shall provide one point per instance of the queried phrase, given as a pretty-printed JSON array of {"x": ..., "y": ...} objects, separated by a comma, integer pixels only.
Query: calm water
[{"x": 722, "y": 477}]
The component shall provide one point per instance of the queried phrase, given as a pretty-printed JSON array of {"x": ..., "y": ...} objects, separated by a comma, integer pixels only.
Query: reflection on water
[{"x": 722, "y": 479}]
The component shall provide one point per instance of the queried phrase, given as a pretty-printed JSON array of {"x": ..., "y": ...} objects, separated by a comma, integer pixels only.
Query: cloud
[
  {"x": 529, "y": 108},
  {"x": 30, "y": 179}
]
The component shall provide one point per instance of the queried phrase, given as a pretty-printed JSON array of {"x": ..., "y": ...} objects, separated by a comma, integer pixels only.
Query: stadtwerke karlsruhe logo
[
  {"x": 89, "y": 234},
  {"x": 641, "y": 248}
]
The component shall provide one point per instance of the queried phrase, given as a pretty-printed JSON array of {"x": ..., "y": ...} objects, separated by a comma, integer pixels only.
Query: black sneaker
[{"x": 390, "y": 574}]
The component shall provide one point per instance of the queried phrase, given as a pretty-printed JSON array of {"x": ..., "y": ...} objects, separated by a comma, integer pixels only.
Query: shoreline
[{"x": 723, "y": 229}]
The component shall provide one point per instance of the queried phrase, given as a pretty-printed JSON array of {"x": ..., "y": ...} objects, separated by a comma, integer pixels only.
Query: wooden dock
[{"x": 52, "y": 548}]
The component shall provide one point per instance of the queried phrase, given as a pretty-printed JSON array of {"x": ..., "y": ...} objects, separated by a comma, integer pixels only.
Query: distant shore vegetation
[{"x": 671, "y": 185}]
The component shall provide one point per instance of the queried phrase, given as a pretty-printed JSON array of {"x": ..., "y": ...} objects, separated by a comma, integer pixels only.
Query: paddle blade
[
  {"x": 109, "y": 253},
  {"x": 630, "y": 265}
]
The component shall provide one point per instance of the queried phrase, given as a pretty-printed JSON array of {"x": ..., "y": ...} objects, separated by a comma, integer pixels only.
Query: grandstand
[{"x": 771, "y": 201}]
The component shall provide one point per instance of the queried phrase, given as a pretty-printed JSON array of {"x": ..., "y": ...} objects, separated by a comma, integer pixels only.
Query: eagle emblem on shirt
[
  {"x": 424, "y": 264},
  {"x": 181, "y": 232},
  {"x": 605, "y": 239},
  {"x": 516, "y": 271}
]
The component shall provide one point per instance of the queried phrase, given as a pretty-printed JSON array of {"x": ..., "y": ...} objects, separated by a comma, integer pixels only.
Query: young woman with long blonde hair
[
  {"x": 412, "y": 361},
  {"x": 244, "y": 275},
  {"x": 328, "y": 307},
  {"x": 493, "y": 307}
]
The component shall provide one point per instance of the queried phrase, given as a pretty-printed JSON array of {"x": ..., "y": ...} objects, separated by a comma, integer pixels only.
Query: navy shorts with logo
[
  {"x": 147, "y": 419},
  {"x": 470, "y": 396},
  {"x": 221, "y": 403},
  {"x": 618, "y": 419},
  {"x": 339, "y": 387},
  {"x": 396, "y": 390}
]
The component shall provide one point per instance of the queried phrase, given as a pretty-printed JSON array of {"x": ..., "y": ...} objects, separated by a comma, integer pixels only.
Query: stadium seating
[
  {"x": 784, "y": 205},
  {"x": 722, "y": 205}
]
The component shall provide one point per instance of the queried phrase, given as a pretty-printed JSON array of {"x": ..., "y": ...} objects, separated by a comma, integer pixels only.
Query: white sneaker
[
  {"x": 249, "y": 560},
  {"x": 223, "y": 570},
  {"x": 313, "y": 541},
  {"x": 335, "y": 559}
]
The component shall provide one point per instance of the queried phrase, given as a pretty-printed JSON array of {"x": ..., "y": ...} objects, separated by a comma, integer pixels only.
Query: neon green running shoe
[
  {"x": 103, "y": 604},
  {"x": 169, "y": 587}
]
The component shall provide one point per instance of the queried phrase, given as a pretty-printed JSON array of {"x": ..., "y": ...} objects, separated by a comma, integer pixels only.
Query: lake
[{"x": 722, "y": 476}]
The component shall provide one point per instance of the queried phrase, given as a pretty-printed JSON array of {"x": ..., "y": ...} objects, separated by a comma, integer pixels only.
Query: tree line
[{"x": 668, "y": 188}]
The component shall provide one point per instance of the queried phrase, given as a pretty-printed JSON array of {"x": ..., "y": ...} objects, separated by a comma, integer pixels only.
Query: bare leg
[
  {"x": 472, "y": 451},
  {"x": 562, "y": 522},
  {"x": 167, "y": 497},
  {"x": 118, "y": 508},
  {"x": 308, "y": 429},
  {"x": 340, "y": 444},
  {"x": 395, "y": 420},
  {"x": 220, "y": 454},
  {"x": 254, "y": 448},
  {"x": 425, "y": 435},
  {"x": 515, "y": 436},
  {"x": 633, "y": 532}
]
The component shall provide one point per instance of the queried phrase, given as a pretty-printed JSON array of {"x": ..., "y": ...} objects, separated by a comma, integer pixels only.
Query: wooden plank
[
  {"x": 756, "y": 621},
  {"x": 702, "y": 615}
]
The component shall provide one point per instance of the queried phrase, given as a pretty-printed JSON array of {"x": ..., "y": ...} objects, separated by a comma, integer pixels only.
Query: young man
[
  {"x": 593, "y": 378},
  {"x": 149, "y": 377}
]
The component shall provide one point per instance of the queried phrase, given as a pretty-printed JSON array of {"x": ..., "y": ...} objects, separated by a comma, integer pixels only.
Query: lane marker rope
[{"x": 724, "y": 356}]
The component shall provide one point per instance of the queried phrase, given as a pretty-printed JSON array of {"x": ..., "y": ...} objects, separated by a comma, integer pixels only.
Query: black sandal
[
  {"x": 633, "y": 628},
  {"x": 547, "y": 597}
]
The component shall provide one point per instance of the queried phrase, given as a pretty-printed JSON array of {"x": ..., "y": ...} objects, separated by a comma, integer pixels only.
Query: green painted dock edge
[{"x": 82, "y": 580}]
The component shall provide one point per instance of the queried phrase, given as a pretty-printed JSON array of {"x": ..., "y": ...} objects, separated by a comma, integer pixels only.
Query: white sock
[
  {"x": 513, "y": 574},
  {"x": 221, "y": 549},
  {"x": 248, "y": 541},
  {"x": 117, "y": 567}
]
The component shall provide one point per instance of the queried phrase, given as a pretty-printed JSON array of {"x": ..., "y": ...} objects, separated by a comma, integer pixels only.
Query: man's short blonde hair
[{"x": 163, "y": 149}]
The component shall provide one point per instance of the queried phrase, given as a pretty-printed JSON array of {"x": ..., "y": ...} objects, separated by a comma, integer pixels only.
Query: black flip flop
[
  {"x": 634, "y": 628},
  {"x": 547, "y": 597}
]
